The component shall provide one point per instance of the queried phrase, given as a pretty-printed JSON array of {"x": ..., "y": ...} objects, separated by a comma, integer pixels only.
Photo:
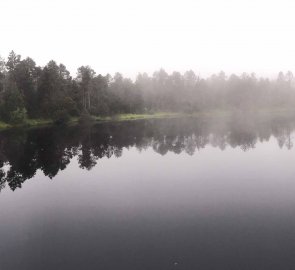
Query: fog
[
  {"x": 147, "y": 134},
  {"x": 143, "y": 36},
  {"x": 50, "y": 92}
]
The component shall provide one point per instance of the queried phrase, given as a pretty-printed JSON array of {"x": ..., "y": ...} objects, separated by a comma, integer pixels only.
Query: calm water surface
[{"x": 147, "y": 195}]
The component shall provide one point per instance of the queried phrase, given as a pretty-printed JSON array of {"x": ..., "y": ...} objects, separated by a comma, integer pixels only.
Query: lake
[{"x": 185, "y": 193}]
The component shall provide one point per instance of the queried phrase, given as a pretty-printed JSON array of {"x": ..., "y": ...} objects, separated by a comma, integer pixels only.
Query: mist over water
[
  {"x": 186, "y": 193},
  {"x": 147, "y": 135}
]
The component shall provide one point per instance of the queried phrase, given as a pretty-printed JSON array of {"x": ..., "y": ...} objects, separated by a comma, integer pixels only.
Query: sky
[{"x": 134, "y": 36}]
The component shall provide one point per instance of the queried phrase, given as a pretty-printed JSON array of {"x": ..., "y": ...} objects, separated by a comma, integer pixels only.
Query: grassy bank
[
  {"x": 75, "y": 120},
  {"x": 4, "y": 125},
  {"x": 129, "y": 117}
]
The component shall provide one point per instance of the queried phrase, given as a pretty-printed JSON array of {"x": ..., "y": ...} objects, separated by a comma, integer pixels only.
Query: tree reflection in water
[{"x": 51, "y": 149}]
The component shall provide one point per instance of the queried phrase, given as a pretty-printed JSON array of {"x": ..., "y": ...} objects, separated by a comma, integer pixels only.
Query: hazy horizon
[
  {"x": 170, "y": 169},
  {"x": 144, "y": 36}
]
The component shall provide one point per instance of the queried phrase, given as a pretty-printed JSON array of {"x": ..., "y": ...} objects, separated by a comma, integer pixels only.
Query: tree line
[{"x": 28, "y": 90}]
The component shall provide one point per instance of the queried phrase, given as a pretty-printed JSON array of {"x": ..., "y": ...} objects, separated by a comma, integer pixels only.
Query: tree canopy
[{"x": 28, "y": 90}]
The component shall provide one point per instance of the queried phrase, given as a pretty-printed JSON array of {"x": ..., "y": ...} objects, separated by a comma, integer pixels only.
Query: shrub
[
  {"x": 69, "y": 105},
  {"x": 61, "y": 117},
  {"x": 101, "y": 109},
  {"x": 18, "y": 116},
  {"x": 85, "y": 118}
]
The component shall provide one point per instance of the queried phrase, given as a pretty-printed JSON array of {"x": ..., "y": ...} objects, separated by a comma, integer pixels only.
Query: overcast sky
[{"x": 133, "y": 36}]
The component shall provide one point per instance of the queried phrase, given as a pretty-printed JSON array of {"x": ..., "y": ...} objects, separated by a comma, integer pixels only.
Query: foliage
[
  {"x": 18, "y": 116},
  {"x": 12, "y": 106},
  {"x": 85, "y": 118},
  {"x": 61, "y": 117},
  {"x": 51, "y": 93}
]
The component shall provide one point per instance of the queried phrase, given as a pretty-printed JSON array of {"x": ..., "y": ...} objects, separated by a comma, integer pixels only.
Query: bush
[
  {"x": 12, "y": 106},
  {"x": 69, "y": 105},
  {"x": 18, "y": 116},
  {"x": 101, "y": 109},
  {"x": 61, "y": 117},
  {"x": 85, "y": 118}
]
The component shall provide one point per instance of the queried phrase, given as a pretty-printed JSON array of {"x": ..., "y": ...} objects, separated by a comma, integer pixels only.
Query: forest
[{"x": 28, "y": 91}]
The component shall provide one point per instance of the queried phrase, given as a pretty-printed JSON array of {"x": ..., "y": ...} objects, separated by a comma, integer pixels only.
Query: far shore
[{"x": 158, "y": 115}]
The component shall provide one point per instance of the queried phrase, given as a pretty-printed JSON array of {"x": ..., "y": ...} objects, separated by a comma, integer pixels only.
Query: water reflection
[{"x": 22, "y": 153}]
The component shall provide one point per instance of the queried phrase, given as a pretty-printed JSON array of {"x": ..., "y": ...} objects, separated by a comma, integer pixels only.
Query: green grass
[
  {"x": 38, "y": 122},
  {"x": 130, "y": 116},
  {"x": 158, "y": 115},
  {"x": 74, "y": 120},
  {"x": 4, "y": 125}
]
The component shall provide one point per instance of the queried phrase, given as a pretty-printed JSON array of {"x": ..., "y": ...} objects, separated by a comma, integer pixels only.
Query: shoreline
[
  {"x": 30, "y": 123},
  {"x": 96, "y": 119}
]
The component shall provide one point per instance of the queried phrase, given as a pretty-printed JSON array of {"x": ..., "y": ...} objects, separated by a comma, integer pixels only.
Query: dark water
[{"x": 161, "y": 194}]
